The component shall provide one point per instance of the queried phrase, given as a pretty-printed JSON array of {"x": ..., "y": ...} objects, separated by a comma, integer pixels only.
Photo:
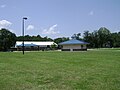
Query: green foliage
[
  {"x": 7, "y": 39},
  {"x": 53, "y": 46},
  {"x": 102, "y": 38},
  {"x": 33, "y": 38},
  {"x": 76, "y": 36},
  {"x": 59, "y": 40},
  {"x": 91, "y": 70},
  {"x": 115, "y": 39},
  {"x": 104, "y": 35}
]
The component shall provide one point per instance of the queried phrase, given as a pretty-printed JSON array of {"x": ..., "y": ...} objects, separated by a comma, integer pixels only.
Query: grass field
[{"x": 91, "y": 70}]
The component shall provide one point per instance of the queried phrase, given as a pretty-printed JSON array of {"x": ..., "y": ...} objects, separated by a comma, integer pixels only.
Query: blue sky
[{"x": 58, "y": 18}]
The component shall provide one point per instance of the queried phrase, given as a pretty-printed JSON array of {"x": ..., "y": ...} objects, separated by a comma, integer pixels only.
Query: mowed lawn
[{"x": 91, "y": 70}]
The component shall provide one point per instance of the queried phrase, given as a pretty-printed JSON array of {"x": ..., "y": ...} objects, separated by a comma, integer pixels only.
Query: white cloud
[
  {"x": 3, "y": 6},
  {"x": 5, "y": 24},
  {"x": 51, "y": 30},
  {"x": 30, "y": 27},
  {"x": 91, "y": 13}
]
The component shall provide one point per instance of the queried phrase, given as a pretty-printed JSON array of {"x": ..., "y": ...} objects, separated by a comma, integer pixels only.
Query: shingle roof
[{"x": 73, "y": 41}]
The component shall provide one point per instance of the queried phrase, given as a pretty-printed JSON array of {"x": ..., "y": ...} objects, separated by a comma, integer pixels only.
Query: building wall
[
  {"x": 32, "y": 48},
  {"x": 28, "y": 48},
  {"x": 76, "y": 47},
  {"x": 43, "y": 45}
]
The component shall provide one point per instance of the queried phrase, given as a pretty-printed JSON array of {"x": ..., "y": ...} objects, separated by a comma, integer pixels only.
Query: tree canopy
[
  {"x": 76, "y": 36},
  {"x": 33, "y": 38},
  {"x": 59, "y": 40},
  {"x": 102, "y": 38},
  {"x": 7, "y": 39}
]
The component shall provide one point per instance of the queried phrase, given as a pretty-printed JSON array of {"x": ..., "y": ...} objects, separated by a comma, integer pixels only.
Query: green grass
[{"x": 91, "y": 70}]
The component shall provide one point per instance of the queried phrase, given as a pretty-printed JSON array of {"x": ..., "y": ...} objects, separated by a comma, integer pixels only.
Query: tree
[
  {"x": 104, "y": 36},
  {"x": 98, "y": 38},
  {"x": 76, "y": 36},
  {"x": 7, "y": 39},
  {"x": 59, "y": 40},
  {"x": 33, "y": 38},
  {"x": 53, "y": 46},
  {"x": 115, "y": 39},
  {"x": 88, "y": 37},
  {"x": 92, "y": 38}
]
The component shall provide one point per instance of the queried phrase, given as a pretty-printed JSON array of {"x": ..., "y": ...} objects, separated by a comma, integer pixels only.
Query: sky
[{"x": 59, "y": 18}]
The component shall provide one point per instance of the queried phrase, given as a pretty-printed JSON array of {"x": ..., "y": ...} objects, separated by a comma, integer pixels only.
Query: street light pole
[{"x": 24, "y": 18}]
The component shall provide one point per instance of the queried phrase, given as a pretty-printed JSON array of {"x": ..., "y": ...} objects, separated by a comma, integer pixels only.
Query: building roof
[
  {"x": 29, "y": 45},
  {"x": 33, "y": 43},
  {"x": 73, "y": 41}
]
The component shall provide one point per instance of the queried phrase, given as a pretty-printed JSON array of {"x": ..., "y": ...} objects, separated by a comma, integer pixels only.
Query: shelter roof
[
  {"x": 73, "y": 41},
  {"x": 34, "y": 43}
]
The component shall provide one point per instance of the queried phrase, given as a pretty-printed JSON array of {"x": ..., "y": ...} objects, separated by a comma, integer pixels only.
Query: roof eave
[{"x": 76, "y": 44}]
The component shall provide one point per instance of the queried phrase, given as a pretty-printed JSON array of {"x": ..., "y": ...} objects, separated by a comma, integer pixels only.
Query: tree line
[
  {"x": 39, "y": 38},
  {"x": 33, "y": 38},
  {"x": 101, "y": 38}
]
